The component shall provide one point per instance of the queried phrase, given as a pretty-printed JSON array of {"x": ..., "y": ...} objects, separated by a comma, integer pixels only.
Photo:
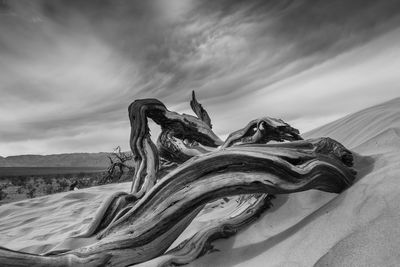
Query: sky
[{"x": 69, "y": 69}]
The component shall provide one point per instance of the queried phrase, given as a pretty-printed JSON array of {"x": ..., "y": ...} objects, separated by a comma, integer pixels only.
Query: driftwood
[
  {"x": 243, "y": 211},
  {"x": 140, "y": 227}
]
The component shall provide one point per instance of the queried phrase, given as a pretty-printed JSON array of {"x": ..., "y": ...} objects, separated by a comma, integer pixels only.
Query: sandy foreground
[{"x": 360, "y": 227}]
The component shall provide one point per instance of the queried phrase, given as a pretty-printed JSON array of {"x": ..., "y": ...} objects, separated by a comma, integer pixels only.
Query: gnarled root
[
  {"x": 156, "y": 220},
  {"x": 138, "y": 227}
]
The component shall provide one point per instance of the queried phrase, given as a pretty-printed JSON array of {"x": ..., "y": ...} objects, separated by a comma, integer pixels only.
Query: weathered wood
[
  {"x": 138, "y": 227},
  {"x": 151, "y": 226},
  {"x": 199, "y": 110},
  {"x": 262, "y": 131},
  {"x": 175, "y": 129},
  {"x": 242, "y": 214}
]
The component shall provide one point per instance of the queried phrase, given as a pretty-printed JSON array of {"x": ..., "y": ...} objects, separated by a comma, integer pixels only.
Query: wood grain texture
[
  {"x": 199, "y": 110},
  {"x": 199, "y": 168},
  {"x": 150, "y": 227}
]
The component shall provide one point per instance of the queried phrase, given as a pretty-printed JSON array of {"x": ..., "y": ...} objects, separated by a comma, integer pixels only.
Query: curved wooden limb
[
  {"x": 106, "y": 211},
  {"x": 199, "y": 110},
  {"x": 322, "y": 145},
  {"x": 241, "y": 215},
  {"x": 145, "y": 153},
  {"x": 147, "y": 168},
  {"x": 184, "y": 136},
  {"x": 279, "y": 160},
  {"x": 261, "y": 131},
  {"x": 153, "y": 224},
  {"x": 138, "y": 227},
  {"x": 114, "y": 207},
  {"x": 10, "y": 258}
]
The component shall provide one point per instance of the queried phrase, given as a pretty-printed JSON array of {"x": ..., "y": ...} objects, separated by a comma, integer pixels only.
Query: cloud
[{"x": 69, "y": 69}]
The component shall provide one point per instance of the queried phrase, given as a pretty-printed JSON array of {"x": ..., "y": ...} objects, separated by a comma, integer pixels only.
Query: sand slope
[
  {"x": 360, "y": 127},
  {"x": 39, "y": 224},
  {"x": 360, "y": 227}
]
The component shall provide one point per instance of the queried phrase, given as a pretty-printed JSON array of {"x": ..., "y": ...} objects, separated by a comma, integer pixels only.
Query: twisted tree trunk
[
  {"x": 150, "y": 227},
  {"x": 138, "y": 227},
  {"x": 241, "y": 213}
]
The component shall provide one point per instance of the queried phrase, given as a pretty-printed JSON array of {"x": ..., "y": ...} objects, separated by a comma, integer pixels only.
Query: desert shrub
[
  {"x": 49, "y": 189},
  {"x": 31, "y": 191},
  {"x": 93, "y": 179},
  {"x": 3, "y": 194},
  {"x": 18, "y": 180},
  {"x": 81, "y": 175},
  {"x": 84, "y": 182},
  {"x": 19, "y": 190},
  {"x": 48, "y": 180},
  {"x": 63, "y": 185},
  {"x": 37, "y": 184},
  {"x": 31, "y": 181}
]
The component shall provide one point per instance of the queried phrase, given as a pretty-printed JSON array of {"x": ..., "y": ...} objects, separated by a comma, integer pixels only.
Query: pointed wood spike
[{"x": 199, "y": 110}]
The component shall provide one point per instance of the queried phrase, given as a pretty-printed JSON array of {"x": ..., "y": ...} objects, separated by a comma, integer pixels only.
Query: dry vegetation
[
  {"x": 19, "y": 187},
  {"x": 18, "y": 183}
]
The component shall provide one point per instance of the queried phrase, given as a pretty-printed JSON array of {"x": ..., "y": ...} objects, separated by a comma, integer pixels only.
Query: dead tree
[
  {"x": 138, "y": 227},
  {"x": 118, "y": 166}
]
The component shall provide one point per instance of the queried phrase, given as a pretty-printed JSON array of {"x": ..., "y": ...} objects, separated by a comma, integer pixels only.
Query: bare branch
[{"x": 199, "y": 110}]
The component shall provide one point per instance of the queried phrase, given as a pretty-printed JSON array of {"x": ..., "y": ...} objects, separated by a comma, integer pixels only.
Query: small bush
[
  {"x": 48, "y": 189},
  {"x": 31, "y": 191},
  {"x": 3, "y": 194},
  {"x": 18, "y": 180},
  {"x": 48, "y": 180},
  {"x": 63, "y": 185},
  {"x": 19, "y": 190}
]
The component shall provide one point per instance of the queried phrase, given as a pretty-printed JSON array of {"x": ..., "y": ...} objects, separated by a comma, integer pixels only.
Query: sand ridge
[{"x": 359, "y": 227}]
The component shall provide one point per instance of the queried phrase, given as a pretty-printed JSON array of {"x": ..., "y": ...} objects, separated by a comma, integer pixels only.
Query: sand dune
[
  {"x": 360, "y": 127},
  {"x": 360, "y": 227},
  {"x": 37, "y": 225}
]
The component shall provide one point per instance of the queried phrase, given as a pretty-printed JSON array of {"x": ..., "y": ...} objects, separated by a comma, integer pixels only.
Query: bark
[
  {"x": 149, "y": 228},
  {"x": 199, "y": 110},
  {"x": 241, "y": 214},
  {"x": 198, "y": 168},
  {"x": 174, "y": 126}
]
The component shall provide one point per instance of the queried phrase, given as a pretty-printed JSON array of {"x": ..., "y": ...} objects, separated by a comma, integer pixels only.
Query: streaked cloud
[{"x": 69, "y": 69}]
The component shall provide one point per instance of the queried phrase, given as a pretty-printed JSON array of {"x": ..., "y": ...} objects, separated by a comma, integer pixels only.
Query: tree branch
[
  {"x": 149, "y": 227},
  {"x": 199, "y": 110}
]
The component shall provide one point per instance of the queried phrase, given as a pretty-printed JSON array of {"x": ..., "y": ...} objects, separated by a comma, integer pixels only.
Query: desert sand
[{"x": 359, "y": 227}]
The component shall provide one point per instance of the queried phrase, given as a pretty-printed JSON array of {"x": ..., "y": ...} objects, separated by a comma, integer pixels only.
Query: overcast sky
[{"x": 69, "y": 69}]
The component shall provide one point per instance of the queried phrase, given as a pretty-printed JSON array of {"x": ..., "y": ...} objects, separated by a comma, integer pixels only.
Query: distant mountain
[{"x": 57, "y": 160}]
